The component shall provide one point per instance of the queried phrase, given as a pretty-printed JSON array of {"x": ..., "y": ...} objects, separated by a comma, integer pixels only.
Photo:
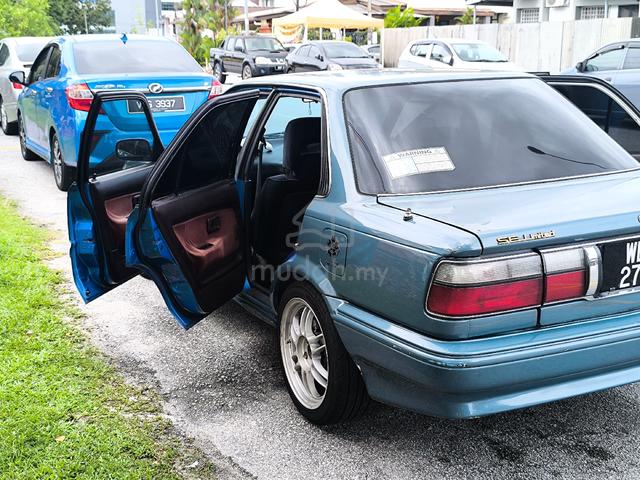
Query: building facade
[{"x": 531, "y": 11}]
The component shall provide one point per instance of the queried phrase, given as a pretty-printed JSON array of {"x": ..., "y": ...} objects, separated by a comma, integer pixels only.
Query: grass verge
[{"x": 64, "y": 411}]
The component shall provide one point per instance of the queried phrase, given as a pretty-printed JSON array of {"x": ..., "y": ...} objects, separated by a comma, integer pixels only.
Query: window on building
[
  {"x": 528, "y": 15},
  {"x": 589, "y": 13},
  {"x": 628, "y": 11},
  {"x": 169, "y": 6}
]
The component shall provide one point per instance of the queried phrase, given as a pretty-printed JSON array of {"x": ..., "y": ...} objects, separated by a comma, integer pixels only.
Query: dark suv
[{"x": 249, "y": 56}]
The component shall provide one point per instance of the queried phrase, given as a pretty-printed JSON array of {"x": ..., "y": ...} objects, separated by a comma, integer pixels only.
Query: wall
[{"x": 547, "y": 46}]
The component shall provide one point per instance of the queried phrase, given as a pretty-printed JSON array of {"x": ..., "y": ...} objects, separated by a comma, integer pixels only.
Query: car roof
[
  {"x": 348, "y": 79},
  {"x": 450, "y": 41},
  {"x": 101, "y": 37}
]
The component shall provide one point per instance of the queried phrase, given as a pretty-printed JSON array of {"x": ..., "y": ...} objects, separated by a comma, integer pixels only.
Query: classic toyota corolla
[{"x": 458, "y": 244}]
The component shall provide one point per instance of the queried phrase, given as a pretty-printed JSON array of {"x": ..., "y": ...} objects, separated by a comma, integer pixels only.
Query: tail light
[
  {"x": 462, "y": 289},
  {"x": 565, "y": 274},
  {"x": 216, "y": 89},
  {"x": 481, "y": 287},
  {"x": 16, "y": 86},
  {"x": 79, "y": 96}
]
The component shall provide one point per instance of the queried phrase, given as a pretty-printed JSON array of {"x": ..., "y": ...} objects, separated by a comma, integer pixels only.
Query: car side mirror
[
  {"x": 320, "y": 57},
  {"x": 18, "y": 77},
  {"x": 239, "y": 48},
  {"x": 580, "y": 66},
  {"x": 135, "y": 150}
]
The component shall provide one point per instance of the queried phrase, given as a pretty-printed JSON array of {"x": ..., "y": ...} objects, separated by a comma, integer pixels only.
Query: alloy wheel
[
  {"x": 4, "y": 120},
  {"x": 217, "y": 72},
  {"x": 304, "y": 353},
  {"x": 246, "y": 72},
  {"x": 23, "y": 137},
  {"x": 57, "y": 161}
]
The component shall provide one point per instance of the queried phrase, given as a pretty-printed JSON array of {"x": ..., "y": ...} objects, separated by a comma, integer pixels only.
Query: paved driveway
[{"x": 222, "y": 386}]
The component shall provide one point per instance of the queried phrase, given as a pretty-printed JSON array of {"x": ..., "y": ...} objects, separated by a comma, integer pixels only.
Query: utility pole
[
  {"x": 369, "y": 33},
  {"x": 157, "y": 17},
  {"x": 246, "y": 16}
]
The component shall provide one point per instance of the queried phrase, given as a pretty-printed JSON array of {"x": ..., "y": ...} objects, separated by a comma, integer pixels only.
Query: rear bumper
[{"x": 470, "y": 378}]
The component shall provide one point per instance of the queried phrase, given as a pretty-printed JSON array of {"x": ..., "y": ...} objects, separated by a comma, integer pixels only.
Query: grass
[{"x": 64, "y": 411}]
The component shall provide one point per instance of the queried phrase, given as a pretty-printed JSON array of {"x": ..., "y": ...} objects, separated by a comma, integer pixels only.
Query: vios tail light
[{"x": 79, "y": 96}]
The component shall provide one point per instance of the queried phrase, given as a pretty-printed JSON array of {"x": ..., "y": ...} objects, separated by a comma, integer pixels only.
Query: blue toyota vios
[
  {"x": 458, "y": 244},
  {"x": 68, "y": 72}
]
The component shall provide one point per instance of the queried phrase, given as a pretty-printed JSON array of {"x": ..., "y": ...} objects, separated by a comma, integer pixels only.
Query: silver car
[{"x": 16, "y": 53}]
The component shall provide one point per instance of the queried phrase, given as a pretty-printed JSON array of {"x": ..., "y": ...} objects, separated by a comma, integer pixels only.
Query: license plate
[
  {"x": 157, "y": 104},
  {"x": 620, "y": 265}
]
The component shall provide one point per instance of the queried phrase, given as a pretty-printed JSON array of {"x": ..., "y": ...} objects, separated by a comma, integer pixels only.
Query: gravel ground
[{"x": 222, "y": 386}]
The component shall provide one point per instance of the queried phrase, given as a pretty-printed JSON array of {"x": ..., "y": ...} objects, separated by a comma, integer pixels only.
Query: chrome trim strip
[
  {"x": 592, "y": 253},
  {"x": 203, "y": 88}
]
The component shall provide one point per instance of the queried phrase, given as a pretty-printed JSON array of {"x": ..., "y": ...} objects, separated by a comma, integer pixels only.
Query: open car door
[
  {"x": 118, "y": 148},
  {"x": 187, "y": 233},
  {"x": 605, "y": 105}
]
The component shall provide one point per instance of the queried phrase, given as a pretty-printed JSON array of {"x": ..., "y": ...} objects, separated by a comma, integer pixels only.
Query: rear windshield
[
  {"x": 136, "y": 56},
  {"x": 432, "y": 137},
  {"x": 27, "y": 52},
  {"x": 343, "y": 50}
]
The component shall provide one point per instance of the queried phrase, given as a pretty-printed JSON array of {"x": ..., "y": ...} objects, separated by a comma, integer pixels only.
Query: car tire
[
  {"x": 217, "y": 72},
  {"x": 26, "y": 153},
  {"x": 247, "y": 72},
  {"x": 323, "y": 381},
  {"x": 8, "y": 128},
  {"x": 62, "y": 173}
]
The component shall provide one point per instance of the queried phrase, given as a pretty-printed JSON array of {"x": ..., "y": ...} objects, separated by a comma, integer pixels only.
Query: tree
[
  {"x": 466, "y": 18},
  {"x": 25, "y": 17},
  {"x": 70, "y": 15},
  {"x": 203, "y": 26},
  {"x": 398, "y": 18}
]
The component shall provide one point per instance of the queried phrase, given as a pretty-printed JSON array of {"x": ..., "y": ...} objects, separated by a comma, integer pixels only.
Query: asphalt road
[{"x": 222, "y": 386}]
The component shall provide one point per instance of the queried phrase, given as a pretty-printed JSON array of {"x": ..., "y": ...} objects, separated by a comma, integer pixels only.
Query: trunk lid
[
  {"x": 194, "y": 88},
  {"x": 536, "y": 215}
]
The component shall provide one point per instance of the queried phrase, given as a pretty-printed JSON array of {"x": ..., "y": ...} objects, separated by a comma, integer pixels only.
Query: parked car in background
[
  {"x": 329, "y": 55},
  {"x": 345, "y": 238},
  {"x": 454, "y": 54},
  {"x": 17, "y": 53},
  {"x": 248, "y": 56},
  {"x": 373, "y": 51},
  {"x": 617, "y": 63},
  {"x": 58, "y": 91}
]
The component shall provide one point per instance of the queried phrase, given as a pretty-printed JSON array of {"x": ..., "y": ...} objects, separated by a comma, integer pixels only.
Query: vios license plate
[
  {"x": 620, "y": 265},
  {"x": 157, "y": 104}
]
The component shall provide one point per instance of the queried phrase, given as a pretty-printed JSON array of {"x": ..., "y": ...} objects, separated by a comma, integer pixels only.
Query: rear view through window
[
  {"x": 134, "y": 56},
  {"x": 432, "y": 137}
]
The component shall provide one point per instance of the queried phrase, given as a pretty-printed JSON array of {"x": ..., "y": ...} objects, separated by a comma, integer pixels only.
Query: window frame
[
  {"x": 427, "y": 55},
  {"x": 605, "y": 50},
  {"x": 445, "y": 47},
  {"x": 629, "y": 47},
  {"x": 47, "y": 75},
  {"x": 45, "y": 54},
  {"x": 244, "y": 165}
]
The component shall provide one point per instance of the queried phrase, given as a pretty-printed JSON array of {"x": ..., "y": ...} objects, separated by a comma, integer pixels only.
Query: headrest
[{"x": 301, "y": 138}]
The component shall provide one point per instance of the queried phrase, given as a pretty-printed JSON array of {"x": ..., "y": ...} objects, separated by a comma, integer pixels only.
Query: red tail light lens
[
  {"x": 463, "y": 289},
  {"x": 480, "y": 287},
  {"x": 79, "y": 96},
  {"x": 565, "y": 274},
  {"x": 16, "y": 86},
  {"x": 216, "y": 89}
]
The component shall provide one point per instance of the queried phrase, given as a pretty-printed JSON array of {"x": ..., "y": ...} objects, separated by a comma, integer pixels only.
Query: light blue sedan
[
  {"x": 69, "y": 71},
  {"x": 458, "y": 244}
]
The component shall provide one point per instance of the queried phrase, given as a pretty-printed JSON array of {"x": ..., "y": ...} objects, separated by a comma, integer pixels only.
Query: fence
[{"x": 547, "y": 46}]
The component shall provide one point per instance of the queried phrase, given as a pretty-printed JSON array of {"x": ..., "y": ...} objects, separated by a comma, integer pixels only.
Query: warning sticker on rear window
[{"x": 415, "y": 162}]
